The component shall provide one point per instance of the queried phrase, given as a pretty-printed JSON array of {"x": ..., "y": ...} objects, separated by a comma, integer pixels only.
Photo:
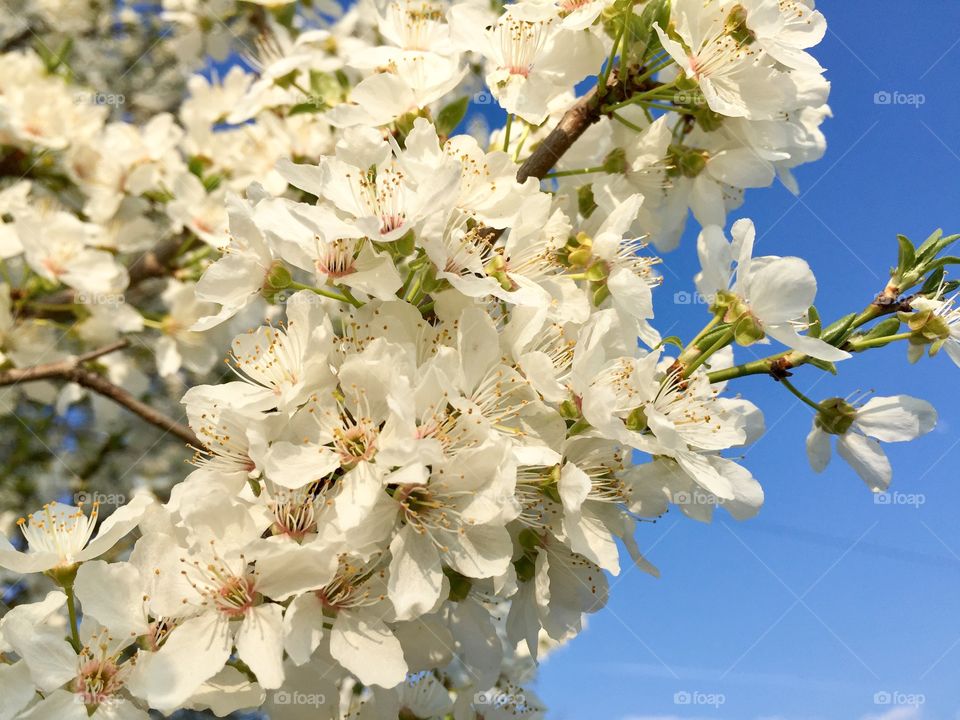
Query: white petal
[
  {"x": 867, "y": 458},
  {"x": 814, "y": 347},
  {"x": 194, "y": 652},
  {"x": 60, "y": 705},
  {"x": 286, "y": 569},
  {"x": 781, "y": 290},
  {"x": 365, "y": 646},
  {"x": 416, "y": 576},
  {"x": 303, "y": 627},
  {"x": 818, "y": 449},
  {"x": 896, "y": 418},
  {"x": 260, "y": 644},
  {"x": 16, "y": 689},
  {"x": 113, "y": 596}
]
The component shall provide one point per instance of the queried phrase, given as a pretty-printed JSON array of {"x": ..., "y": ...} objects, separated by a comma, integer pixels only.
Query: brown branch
[
  {"x": 71, "y": 370},
  {"x": 586, "y": 111}
]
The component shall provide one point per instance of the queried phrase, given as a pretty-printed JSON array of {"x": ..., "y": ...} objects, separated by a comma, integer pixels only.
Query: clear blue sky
[{"x": 825, "y": 599}]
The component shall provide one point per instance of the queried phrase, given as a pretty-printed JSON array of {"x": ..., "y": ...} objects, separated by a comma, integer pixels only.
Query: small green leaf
[
  {"x": 837, "y": 329},
  {"x": 451, "y": 116},
  {"x": 823, "y": 365},
  {"x": 813, "y": 317},
  {"x": 907, "y": 257},
  {"x": 884, "y": 328}
]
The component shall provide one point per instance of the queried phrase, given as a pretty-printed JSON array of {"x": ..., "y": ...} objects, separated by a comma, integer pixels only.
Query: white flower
[
  {"x": 785, "y": 29},
  {"x": 859, "y": 431},
  {"x": 74, "y": 684},
  {"x": 948, "y": 313},
  {"x": 719, "y": 52},
  {"x": 60, "y": 535},
  {"x": 776, "y": 292},
  {"x": 237, "y": 278},
  {"x": 57, "y": 247},
  {"x": 530, "y": 59},
  {"x": 382, "y": 202},
  {"x": 456, "y": 517}
]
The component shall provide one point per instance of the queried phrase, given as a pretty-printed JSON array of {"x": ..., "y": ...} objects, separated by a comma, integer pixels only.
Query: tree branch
[
  {"x": 586, "y": 111},
  {"x": 72, "y": 370}
]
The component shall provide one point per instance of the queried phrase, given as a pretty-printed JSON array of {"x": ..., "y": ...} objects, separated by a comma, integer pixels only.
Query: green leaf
[
  {"x": 907, "y": 257},
  {"x": 672, "y": 340},
  {"x": 813, "y": 317},
  {"x": 823, "y": 365},
  {"x": 307, "y": 107},
  {"x": 451, "y": 116},
  {"x": 884, "y": 328},
  {"x": 928, "y": 246},
  {"x": 933, "y": 282},
  {"x": 837, "y": 329}
]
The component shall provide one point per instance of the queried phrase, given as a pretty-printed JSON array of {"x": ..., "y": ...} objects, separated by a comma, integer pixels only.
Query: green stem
[
  {"x": 506, "y": 133},
  {"x": 640, "y": 97},
  {"x": 721, "y": 342},
  {"x": 706, "y": 328},
  {"x": 795, "y": 359},
  {"x": 328, "y": 292},
  {"x": 569, "y": 173},
  {"x": 72, "y": 611},
  {"x": 857, "y": 345},
  {"x": 790, "y": 386},
  {"x": 653, "y": 69},
  {"x": 623, "y": 121},
  {"x": 605, "y": 75},
  {"x": 666, "y": 108}
]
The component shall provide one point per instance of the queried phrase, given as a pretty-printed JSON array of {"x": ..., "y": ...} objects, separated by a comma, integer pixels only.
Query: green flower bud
[
  {"x": 637, "y": 420},
  {"x": 278, "y": 278},
  {"x": 836, "y": 416},
  {"x": 459, "y": 585},
  {"x": 615, "y": 162},
  {"x": 686, "y": 162},
  {"x": 747, "y": 331},
  {"x": 735, "y": 26}
]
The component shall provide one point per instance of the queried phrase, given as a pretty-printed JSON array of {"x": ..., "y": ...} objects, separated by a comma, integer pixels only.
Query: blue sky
[{"x": 825, "y": 600}]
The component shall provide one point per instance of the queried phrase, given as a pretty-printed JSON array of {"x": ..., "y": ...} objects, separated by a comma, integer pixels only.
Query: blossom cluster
[{"x": 459, "y": 412}]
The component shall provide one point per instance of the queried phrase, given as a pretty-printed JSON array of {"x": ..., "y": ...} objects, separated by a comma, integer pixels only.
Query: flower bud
[{"x": 836, "y": 416}]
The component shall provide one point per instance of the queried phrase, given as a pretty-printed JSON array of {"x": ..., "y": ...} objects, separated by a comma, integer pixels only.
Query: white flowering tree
[{"x": 445, "y": 405}]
